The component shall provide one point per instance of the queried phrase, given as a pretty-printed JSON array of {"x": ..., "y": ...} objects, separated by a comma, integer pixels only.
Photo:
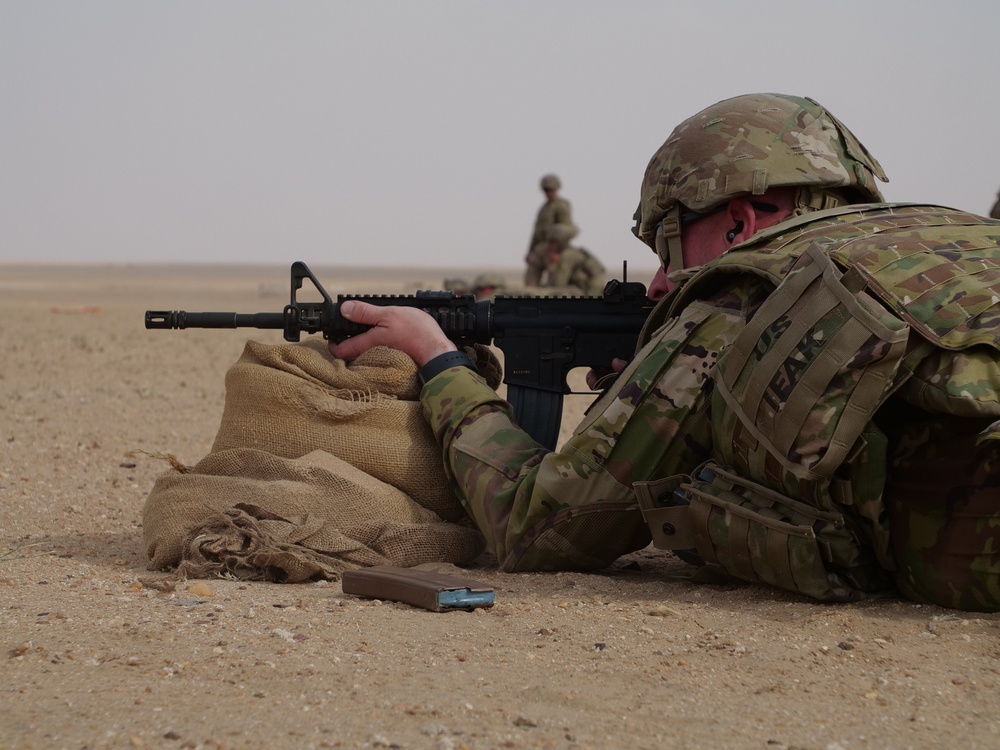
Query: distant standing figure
[
  {"x": 554, "y": 211},
  {"x": 995, "y": 211},
  {"x": 573, "y": 270}
]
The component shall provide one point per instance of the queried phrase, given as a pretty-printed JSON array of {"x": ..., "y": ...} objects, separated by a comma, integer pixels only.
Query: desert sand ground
[{"x": 96, "y": 651}]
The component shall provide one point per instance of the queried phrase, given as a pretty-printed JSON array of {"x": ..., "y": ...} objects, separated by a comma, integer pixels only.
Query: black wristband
[{"x": 444, "y": 362}]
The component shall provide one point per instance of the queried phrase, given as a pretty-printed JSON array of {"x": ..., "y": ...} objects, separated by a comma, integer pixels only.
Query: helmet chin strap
[
  {"x": 668, "y": 240},
  {"x": 808, "y": 199}
]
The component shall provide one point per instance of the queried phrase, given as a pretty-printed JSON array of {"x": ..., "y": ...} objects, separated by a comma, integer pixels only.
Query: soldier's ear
[{"x": 744, "y": 220}]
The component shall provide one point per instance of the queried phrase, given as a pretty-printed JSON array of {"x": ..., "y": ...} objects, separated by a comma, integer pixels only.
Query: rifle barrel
[{"x": 181, "y": 319}]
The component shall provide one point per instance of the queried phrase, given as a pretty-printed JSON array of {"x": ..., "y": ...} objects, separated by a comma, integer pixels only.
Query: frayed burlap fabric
[{"x": 317, "y": 466}]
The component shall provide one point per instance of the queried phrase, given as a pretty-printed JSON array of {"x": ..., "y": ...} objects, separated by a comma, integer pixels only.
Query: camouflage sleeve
[
  {"x": 542, "y": 223},
  {"x": 563, "y": 213},
  {"x": 575, "y": 508},
  {"x": 551, "y": 213}
]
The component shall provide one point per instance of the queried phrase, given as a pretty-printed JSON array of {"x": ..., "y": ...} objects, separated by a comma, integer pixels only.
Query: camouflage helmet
[
  {"x": 744, "y": 146},
  {"x": 561, "y": 233},
  {"x": 550, "y": 182},
  {"x": 489, "y": 281}
]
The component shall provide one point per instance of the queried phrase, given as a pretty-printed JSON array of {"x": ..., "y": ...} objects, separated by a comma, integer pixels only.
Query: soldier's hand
[
  {"x": 598, "y": 374},
  {"x": 408, "y": 329}
]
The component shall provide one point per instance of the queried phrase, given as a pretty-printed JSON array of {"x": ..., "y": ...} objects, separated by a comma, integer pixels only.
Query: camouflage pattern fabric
[
  {"x": 748, "y": 531},
  {"x": 576, "y": 508},
  {"x": 941, "y": 496},
  {"x": 746, "y": 146},
  {"x": 556, "y": 211},
  {"x": 751, "y": 143},
  {"x": 936, "y": 269},
  {"x": 577, "y": 271}
]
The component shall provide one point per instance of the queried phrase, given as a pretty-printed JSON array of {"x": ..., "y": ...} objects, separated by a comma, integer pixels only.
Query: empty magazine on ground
[{"x": 438, "y": 592}]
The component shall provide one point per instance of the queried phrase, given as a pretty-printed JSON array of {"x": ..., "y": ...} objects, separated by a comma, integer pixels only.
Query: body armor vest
[{"x": 868, "y": 302}]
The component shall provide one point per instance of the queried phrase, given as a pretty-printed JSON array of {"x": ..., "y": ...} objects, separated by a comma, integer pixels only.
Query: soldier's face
[
  {"x": 702, "y": 240},
  {"x": 705, "y": 239}
]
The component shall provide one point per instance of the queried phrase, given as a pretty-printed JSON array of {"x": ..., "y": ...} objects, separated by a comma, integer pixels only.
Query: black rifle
[{"x": 542, "y": 338}]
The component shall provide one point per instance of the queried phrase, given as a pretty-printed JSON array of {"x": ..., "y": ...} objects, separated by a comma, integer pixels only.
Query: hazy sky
[{"x": 414, "y": 133}]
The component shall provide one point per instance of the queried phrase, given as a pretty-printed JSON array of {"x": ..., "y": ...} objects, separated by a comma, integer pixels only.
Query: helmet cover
[{"x": 744, "y": 146}]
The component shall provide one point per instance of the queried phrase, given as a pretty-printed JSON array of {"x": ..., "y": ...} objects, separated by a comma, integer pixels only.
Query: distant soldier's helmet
[
  {"x": 550, "y": 182},
  {"x": 458, "y": 286},
  {"x": 489, "y": 281},
  {"x": 561, "y": 233},
  {"x": 743, "y": 146}
]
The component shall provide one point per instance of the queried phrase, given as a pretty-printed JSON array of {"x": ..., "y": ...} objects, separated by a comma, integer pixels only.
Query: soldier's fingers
[
  {"x": 365, "y": 314},
  {"x": 362, "y": 312},
  {"x": 599, "y": 377},
  {"x": 594, "y": 375},
  {"x": 408, "y": 329},
  {"x": 352, "y": 348}
]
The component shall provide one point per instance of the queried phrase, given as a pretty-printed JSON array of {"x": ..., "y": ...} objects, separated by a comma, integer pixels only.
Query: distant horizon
[
  {"x": 379, "y": 133},
  {"x": 632, "y": 267}
]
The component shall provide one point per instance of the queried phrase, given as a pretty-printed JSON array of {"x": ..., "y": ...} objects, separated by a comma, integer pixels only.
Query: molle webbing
[
  {"x": 779, "y": 522},
  {"x": 805, "y": 376},
  {"x": 745, "y": 530},
  {"x": 754, "y": 183}
]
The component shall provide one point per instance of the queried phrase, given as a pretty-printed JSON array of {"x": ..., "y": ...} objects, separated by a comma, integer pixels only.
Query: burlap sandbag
[
  {"x": 318, "y": 465},
  {"x": 292, "y": 399},
  {"x": 317, "y": 513}
]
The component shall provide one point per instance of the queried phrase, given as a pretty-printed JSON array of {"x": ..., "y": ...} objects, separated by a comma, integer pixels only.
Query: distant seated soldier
[
  {"x": 460, "y": 287},
  {"x": 572, "y": 270},
  {"x": 487, "y": 285}
]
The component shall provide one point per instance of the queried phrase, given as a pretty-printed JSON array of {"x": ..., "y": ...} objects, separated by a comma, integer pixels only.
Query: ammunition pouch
[{"x": 747, "y": 531}]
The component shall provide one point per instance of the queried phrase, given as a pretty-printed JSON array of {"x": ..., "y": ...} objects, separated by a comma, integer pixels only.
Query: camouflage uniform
[
  {"x": 488, "y": 285},
  {"x": 577, "y": 508},
  {"x": 578, "y": 272},
  {"x": 821, "y": 404},
  {"x": 552, "y": 212},
  {"x": 575, "y": 271}
]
